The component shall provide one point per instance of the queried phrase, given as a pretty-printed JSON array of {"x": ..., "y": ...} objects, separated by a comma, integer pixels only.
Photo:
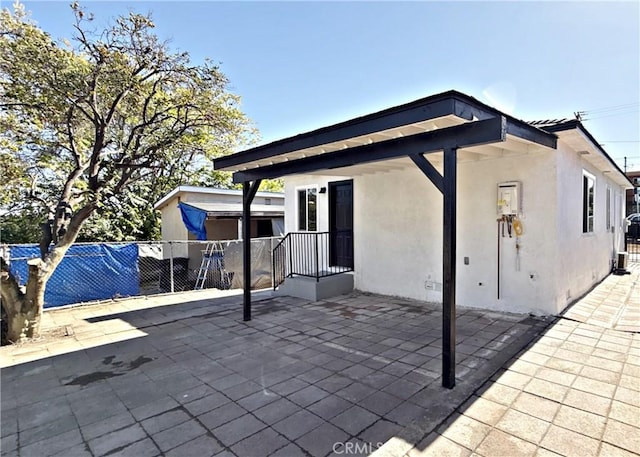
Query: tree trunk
[{"x": 24, "y": 309}]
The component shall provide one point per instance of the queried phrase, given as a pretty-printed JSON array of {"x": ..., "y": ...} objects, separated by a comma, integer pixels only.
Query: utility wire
[
  {"x": 587, "y": 117},
  {"x": 611, "y": 108},
  {"x": 615, "y": 110}
]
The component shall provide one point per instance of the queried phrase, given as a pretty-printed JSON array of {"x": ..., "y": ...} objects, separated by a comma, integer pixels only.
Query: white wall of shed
[{"x": 173, "y": 228}]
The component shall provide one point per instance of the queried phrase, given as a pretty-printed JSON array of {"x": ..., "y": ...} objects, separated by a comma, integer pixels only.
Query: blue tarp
[
  {"x": 87, "y": 272},
  {"x": 194, "y": 219}
]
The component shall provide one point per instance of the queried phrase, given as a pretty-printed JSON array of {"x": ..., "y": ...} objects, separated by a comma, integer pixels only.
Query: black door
[{"x": 341, "y": 223}]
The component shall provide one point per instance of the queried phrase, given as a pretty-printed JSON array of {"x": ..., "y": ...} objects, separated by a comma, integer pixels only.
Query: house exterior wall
[
  {"x": 398, "y": 232},
  {"x": 400, "y": 213},
  {"x": 586, "y": 257},
  {"x": 292, "y": 184}
]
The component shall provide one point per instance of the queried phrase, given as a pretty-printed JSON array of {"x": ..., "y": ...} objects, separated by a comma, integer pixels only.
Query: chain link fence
[{"x": 100, "y": 271}]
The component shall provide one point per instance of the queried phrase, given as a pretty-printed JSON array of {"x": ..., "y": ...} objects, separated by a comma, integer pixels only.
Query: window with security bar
[{"x": 588, "y": 197}]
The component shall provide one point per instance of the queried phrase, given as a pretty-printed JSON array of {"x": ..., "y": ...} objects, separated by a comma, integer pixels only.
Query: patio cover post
[
  {"x": 249, "y": 190},
  {"x": 449, "y": 270}
]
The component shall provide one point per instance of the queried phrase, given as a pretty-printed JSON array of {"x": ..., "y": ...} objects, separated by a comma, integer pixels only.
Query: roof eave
[
  {"x": 210, "y": 190},
  {"x": 577, "y": 125},
  {"x": 439, "y": 105}
]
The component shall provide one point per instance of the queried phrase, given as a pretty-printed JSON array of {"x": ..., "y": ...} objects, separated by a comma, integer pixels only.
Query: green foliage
[
  {"x": 272, "y": 185},
  {"x": 19, "y": 228},
  {"x": 99, "y": 128}
]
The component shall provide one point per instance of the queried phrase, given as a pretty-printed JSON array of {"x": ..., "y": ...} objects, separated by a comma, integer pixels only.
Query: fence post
[
  {"x": 171, "y": 266},
  {"x": 273, "y": 264},
  {"x": 290, "y": 258},
  {"x": 317, "y": 260}
]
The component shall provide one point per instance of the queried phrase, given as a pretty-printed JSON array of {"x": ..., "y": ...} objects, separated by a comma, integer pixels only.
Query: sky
[{"x": 304, "y": 65}]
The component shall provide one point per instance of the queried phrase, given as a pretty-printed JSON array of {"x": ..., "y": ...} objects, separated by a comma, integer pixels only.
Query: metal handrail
[{"x": 306, "y": 254}]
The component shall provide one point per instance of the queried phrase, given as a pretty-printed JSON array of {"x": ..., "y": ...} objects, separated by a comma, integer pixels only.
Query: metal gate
[{"x": 632, "y": 246}]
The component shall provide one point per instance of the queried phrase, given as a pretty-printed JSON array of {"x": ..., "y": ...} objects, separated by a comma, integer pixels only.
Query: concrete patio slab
[
  {"x": 177, "y": 375},
  {"x": 356, "y": 375},
  {"x": 574, "y": 391}
]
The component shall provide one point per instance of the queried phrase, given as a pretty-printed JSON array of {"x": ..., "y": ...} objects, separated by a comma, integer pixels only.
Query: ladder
[{"x": 212, "y": 260}]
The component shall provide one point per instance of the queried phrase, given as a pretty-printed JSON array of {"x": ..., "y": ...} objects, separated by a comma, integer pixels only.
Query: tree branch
[{"x": 70, "y": 136}]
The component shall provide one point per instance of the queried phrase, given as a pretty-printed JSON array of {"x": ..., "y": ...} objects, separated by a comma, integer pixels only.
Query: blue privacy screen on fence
[{"x": 87, "y": 272}]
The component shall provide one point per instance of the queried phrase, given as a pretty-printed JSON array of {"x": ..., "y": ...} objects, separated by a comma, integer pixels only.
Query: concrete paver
[
  {"x": 358, "y": 374},
  {"x": 575, "y": 390}
]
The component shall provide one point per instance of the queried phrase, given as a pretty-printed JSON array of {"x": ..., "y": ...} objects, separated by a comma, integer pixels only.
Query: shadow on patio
[{"x": 574, "y": 389}]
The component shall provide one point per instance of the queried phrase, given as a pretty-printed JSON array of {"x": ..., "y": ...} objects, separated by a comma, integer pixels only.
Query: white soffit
[
  {"x": 512, "y": 146},
  {"x": 580, "y": 143},
  {"x": 383, "y": 135}
]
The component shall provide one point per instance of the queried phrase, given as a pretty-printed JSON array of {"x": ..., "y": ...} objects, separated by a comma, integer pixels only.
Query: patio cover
[{"x": 448, "y": 127}]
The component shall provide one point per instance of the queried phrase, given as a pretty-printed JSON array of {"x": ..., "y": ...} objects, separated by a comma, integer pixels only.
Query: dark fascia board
[
  {"x": 469, "y": 108},
  {"x": 447, "y": 103},
  {"x": 464, "y": 135},
  {"x": 576, "y": 124}
]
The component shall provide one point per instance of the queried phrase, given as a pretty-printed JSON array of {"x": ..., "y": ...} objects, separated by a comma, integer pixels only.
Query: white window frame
[
  {"x": 609, "y": 207},
  {"x": 588, "y": 220},
  {"x": 298, "y": 224}
]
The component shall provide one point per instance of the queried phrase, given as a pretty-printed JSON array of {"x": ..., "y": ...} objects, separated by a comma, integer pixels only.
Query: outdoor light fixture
[{"x": 323, "y": 190}]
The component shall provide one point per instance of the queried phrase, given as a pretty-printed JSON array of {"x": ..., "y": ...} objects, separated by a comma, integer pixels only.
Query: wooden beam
[
  {"x": 534, "y": 135},
  {"x": 449, "y": 270},
  {"x": 429, "y": 170},
  {"x": 253, "y": 190},
  {"x": 249, "y": 190}
]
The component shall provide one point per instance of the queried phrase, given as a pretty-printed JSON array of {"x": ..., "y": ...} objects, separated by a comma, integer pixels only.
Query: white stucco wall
[
  {"x": 526, "y": 285},
  {"x": 292, "y": 184},
  {"x": 586, "y": 257},
  {"x": 398, "y": 232},
  {"x": 400, "y": 215}
]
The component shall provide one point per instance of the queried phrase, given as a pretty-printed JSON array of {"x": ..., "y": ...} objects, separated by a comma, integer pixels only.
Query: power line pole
[{"x": 625, "y": 164}]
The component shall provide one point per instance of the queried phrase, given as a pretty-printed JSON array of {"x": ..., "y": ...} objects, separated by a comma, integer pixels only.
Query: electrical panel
[{"x": 510, "y": 198}]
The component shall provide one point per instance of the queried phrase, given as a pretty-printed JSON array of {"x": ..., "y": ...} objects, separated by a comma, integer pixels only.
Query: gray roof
[{"x": 548, "y": 122}]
